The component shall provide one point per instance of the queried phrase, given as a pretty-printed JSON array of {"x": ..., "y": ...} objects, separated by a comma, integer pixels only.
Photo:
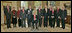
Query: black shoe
[
  {"x": 7, "y": 27},
  {"x": 10, "y": 27},
  {"x": 63, "y": 28},
  {"x": 57, "y": 26},
  {"x": 53, "y": 27}
]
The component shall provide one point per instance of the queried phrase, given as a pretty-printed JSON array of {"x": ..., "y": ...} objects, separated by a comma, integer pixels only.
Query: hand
[
  {"x": 14, "y": 16},
  {"x": 48, "y": 16},
  {"x": 20, "y": 18},
  {"x": 59, "y": 17},
  {"x": 52, "y": 16},
  {"x": 41, "y": 16},
  {"x": 65, "y": 18}
]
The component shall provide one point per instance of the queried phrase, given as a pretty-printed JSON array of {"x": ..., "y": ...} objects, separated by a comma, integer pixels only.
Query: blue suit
[{"x": 23, "y": 17}]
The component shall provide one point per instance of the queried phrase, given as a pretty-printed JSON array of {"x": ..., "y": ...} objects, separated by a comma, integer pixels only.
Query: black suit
[
  {"x": 8, "y": 16},
  {"x": 63, "y": 16},
  {"x": 57, "y": 14},
  {"x": 45, "y": 14},
  {"x": 52, "y": 19},
  {"x": 39, "y": 14},
  {"x": 29, "y": 16},
  {"x": 35, "y": 21}
]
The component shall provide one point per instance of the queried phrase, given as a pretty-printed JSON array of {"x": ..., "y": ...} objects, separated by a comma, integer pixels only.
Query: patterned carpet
[{"x": 40, "y": 29}]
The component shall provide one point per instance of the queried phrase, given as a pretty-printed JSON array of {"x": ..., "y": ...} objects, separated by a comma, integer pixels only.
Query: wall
[
  {"x": 17, "y": 4},
  {"x": 14, "y": 4}
]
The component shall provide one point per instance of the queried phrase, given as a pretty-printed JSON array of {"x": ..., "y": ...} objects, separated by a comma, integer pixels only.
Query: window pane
[
  {"x": 24, "y": 4},
  {"x": 37, "y": 4}
]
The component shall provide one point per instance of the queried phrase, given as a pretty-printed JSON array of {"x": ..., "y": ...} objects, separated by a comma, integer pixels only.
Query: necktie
[
  {"x": 8, "y": 8},
  {"x": 34, "y": 17},
  {"x": 52, "y": 11},
  {"x": 39, "y": 10},
  {"x": 57, "y": 10},
  {"x": 23, "y": 10},
  {"x": 13, "y": 12}
]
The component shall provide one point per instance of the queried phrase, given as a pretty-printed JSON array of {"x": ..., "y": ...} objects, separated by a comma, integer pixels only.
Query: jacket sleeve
[
  {"x": 4, "y": 10},
  {"x": 65, "y": 13}
]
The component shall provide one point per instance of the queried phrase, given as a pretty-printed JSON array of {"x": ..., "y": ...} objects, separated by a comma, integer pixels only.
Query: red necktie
[
  {"x": 23, "y": 10},
  {"x": 13, "y": 12},
  {"x": 52, "y": 11},
  {"x": 57, "y": 9},
  {"x": 8, "y": 8},
  {"x": 34, "y": 17},
  {"x": 39, "y": 10}
]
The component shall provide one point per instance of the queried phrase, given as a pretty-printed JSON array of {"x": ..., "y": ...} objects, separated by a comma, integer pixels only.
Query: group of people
[{"x": 34, "y": 16}]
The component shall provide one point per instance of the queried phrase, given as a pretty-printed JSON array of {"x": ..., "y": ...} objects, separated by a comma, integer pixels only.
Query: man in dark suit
[
  {"x": 63, "y": 16},
  {"x": 45, "y": 14},
  {"x": 7, "y": 12},
  {"x": 29, "y": 16},
  {"x": 23, "y": 17},
  {"x": 34, "y": 18},
  {"x": 39, "y": 14},
  {"x": 52, "y": 18},
  {"x": 14, "y": 17},
  {"x": 58, "y": 14}
]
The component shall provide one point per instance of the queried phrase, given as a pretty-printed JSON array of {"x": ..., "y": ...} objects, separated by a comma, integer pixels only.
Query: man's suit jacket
[
  {"x": 39, "y": 14},
  {"x": 29, "y": 13},
  {"x": 63, "y": 14},
  {"x": 22, "y": 15},
  {"x": 57, "y": 14},
  {"x": 8, "y": 14},
  {"x": 45, "y": 14}
]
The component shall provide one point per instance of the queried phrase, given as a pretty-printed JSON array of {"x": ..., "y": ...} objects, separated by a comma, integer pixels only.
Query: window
[
  {"x": 24, "y": 4},
  {"x": 52, "y": 3},
  {"x": 37, "y": 4}
]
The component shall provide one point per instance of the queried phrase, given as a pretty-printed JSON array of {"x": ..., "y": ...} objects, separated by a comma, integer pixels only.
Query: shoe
[{"x": 10, "y": 27}]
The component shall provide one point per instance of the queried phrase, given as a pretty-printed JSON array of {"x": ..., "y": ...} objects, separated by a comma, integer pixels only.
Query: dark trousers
[
  {"x": 63, "y": 23},
  {"x": 23, "y": 23},
  {"x": 14, "y": 21},
  {"x": 49, "y": 21},
  {"x": 45, "y": 22},
  {"x": 40, "y": 22},
  {"x": 29, "y": 22},
  {"x": 58, "y": 22},
  {"x": 52, "y": 22},
  {"x": 19, "y": 22},
  {"x": 8, "y": 23},
  {"x": 36, "y": 24}
]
